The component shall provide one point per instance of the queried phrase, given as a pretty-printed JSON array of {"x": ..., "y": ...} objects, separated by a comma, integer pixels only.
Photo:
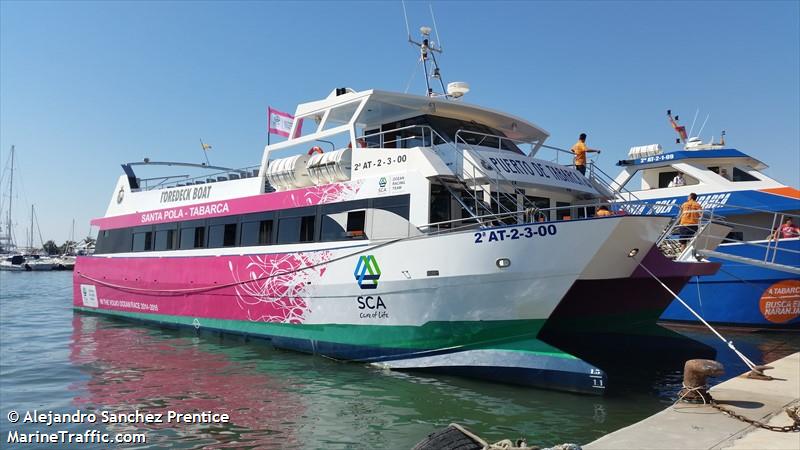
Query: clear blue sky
[{"x": 85, "y": 86}]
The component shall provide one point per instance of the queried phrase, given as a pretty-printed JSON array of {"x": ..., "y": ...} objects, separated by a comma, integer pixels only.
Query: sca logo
[
  {"x": 367, "y": 272},
  {"x": 382, "y": 182}
]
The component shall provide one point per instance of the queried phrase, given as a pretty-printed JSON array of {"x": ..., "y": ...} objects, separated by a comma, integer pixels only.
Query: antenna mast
[
  {"x": 10, "y": 201},
  {"x": 427, "y": 49}
]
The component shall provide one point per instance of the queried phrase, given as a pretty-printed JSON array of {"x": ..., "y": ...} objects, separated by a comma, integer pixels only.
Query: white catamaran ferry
[
  {"x": 408, "y": 231},
  {"x": 758, "y": 285}
]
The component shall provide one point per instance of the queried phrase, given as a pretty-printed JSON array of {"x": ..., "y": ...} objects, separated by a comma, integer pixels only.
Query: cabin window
[
  {"x": 508, "y": 205},
  {"x": 355, "y": 224},
  {"x": 222, "y": 235},
  {"x": 256, "y": 233},
  {"x": 665, "y": 178},
  {"x": 297, "y": 228},
  {"x": 165, "y": 236},
  {"x": 741, "y": 175},
  {"x": 165, "y": 240},
  {"x": 114, "y": 241},
  {"x": 540, "y": 203},
  {"x": 440, "y": 204},
  {"x": 142, "y": 240},
  {"x": 563, "y": 211},
  {"x": 397, "y": 204},
  {"x": 193, "y": 235}
]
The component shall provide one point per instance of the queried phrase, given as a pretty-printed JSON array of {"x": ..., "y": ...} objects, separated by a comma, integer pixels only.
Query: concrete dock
[{"x": 691, "y": 426}]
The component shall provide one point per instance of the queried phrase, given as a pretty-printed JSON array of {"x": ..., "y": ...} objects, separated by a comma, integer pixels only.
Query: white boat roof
[{"x": 383, "y": 107}]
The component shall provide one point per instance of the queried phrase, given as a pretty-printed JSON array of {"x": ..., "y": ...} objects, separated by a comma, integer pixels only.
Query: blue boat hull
[{"x": 744, "y": 295}]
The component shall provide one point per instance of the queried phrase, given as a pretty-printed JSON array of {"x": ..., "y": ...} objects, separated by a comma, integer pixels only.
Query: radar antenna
[{"x": 427, "y": 51}]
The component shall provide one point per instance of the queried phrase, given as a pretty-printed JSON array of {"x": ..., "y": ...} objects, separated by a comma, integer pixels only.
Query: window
[
  {"x": 165, "y": 240},
  {"x": 292, "y": 230},
  {"x": 665, "y": 178},
  {"x": 741, "y": 175},
  {"x": 355, "y": 224},
  {"x": 563, "y": 212},
  {"x": 142, "y": 241},
  {"x": 397, "y": 204},
  {"x": 193, "y": 234},
  {"x": 332, "y": 230},
  {"x": 440, "y": 204},
  {"x": 540, "y": 203},
  {"x": 222, "y": 235},
  {"x": 114, "y": 241},
  {"x": 256, "y": 233},
  {"x": 307, "y": 228}
]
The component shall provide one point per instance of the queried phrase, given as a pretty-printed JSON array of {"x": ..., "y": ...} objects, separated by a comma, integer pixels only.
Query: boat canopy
[
  {"x": 372, "y": 108},
  {"x": 686, "y": 155}
]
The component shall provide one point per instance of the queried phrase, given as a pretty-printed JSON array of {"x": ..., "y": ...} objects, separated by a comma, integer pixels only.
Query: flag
[
  {"x": 280, "y": 123},
  {"x": 206, "y": 146},
  {"x": 680, "y": 129}
]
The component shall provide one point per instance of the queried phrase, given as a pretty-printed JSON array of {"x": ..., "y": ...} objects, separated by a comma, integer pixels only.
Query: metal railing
[
  {"x": 185, "y": 180},
  {"x": 537, "y": 215}
]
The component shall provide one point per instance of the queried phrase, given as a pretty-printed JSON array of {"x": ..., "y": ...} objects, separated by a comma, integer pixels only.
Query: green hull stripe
[{"x": 515, "y": 335}]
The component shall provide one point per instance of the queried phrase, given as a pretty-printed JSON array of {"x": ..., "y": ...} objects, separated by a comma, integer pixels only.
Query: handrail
[
  {"x": 197, "y": 178},
  {"x": 613, "y": 207}
]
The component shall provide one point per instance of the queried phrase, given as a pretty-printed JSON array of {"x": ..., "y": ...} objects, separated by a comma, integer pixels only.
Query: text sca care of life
[{"x": 49, "y": 418}]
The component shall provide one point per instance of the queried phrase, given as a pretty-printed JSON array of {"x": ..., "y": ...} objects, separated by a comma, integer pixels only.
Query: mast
[{"x": 10, "y": 200}]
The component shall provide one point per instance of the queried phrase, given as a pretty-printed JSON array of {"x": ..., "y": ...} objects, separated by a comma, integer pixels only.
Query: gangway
[
  {"x": 751, "y": 261},
  {"x": 715, "y": 229}
]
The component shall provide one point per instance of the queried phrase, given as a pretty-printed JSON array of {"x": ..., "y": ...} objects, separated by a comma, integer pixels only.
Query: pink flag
[{"x": 280, "y": 123}]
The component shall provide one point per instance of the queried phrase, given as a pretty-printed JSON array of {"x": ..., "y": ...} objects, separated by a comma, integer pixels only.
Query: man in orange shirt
[
  {"x": 580, "y": 150},
  {"x": 603, "y": 211},
  {"x": 689, "y": 217}
]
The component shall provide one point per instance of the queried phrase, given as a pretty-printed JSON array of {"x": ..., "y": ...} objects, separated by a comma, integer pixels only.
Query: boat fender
[{"x": 314, "y": 149}]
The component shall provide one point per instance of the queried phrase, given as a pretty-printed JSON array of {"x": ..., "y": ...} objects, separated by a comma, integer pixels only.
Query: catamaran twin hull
[{"x": 470, "y": 302}]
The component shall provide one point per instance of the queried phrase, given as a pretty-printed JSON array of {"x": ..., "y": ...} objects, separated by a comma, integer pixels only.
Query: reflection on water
[{"x": 54, "y": 359}]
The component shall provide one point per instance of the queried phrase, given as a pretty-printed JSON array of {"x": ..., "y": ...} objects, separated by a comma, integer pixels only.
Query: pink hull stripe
[
  {"x": 259, "y": 288},
  {"x": 311, "y": 196}
]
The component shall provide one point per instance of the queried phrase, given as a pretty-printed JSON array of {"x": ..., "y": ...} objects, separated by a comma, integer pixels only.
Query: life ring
[
  {"x": 314, "y": 149},
  {"x": 362, "y": 143}
]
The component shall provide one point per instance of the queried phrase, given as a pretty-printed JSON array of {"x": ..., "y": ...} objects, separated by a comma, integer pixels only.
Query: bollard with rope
[
  {"x": 696, "y": 372},
  {"x": 457, "y": 436}
]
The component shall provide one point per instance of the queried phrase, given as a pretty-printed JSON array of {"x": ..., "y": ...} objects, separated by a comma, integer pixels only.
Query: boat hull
[
  {"x": 742, "y": 295},
  {"x": 405, "y": 300},
  {"x": 605, "y": 321}
]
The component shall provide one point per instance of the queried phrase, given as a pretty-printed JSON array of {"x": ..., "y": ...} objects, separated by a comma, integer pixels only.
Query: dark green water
[{"x": 54, "y": 359}]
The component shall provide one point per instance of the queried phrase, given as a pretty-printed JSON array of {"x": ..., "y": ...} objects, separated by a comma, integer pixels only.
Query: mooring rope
[{"x": 745, "y": 359}]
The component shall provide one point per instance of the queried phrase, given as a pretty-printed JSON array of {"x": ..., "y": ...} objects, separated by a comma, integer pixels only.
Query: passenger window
[
  {"x": 355, "y": 224},
  {"x": 165, "y": 240},
  {"x": 222, "y": 235},
  {"x": 256, "y": 233},
  {"x": 307, "y": 228},
  {"x": 292, "y": 230},
  {"x": 563, "y": 211},
  {"x": 193, "y": 236},
  {"x": 741, "y": 175},
  {"x": 143, "y": 242}
]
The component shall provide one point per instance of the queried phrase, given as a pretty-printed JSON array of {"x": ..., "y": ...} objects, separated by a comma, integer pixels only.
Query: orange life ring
[
  {"x": 362, "y": 143},
  {"x": 314, "y": 149}
]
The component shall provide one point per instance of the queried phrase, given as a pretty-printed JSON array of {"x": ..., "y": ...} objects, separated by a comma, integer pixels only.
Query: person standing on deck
[
  {"x": 689, "y": 217},
  {"x": 580, "y": 150},
  {"x": 787, "y": 230}
]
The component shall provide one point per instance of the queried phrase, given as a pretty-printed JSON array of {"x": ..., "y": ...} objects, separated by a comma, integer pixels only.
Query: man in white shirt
[{"x": 677, "y": 181}]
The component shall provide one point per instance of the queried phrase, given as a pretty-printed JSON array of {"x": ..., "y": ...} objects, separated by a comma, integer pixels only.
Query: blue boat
[{"x": 758, "y": 284}]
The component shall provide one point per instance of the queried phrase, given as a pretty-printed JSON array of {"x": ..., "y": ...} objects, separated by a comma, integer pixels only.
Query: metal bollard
[{"x": 695, "y": 379}]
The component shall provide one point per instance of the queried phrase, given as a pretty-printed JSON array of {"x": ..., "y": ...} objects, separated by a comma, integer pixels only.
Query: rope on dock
[{"x": 457, "y": 436}]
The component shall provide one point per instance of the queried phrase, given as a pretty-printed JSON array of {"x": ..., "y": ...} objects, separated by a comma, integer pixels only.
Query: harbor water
[{"x": 53, "y": 359}]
